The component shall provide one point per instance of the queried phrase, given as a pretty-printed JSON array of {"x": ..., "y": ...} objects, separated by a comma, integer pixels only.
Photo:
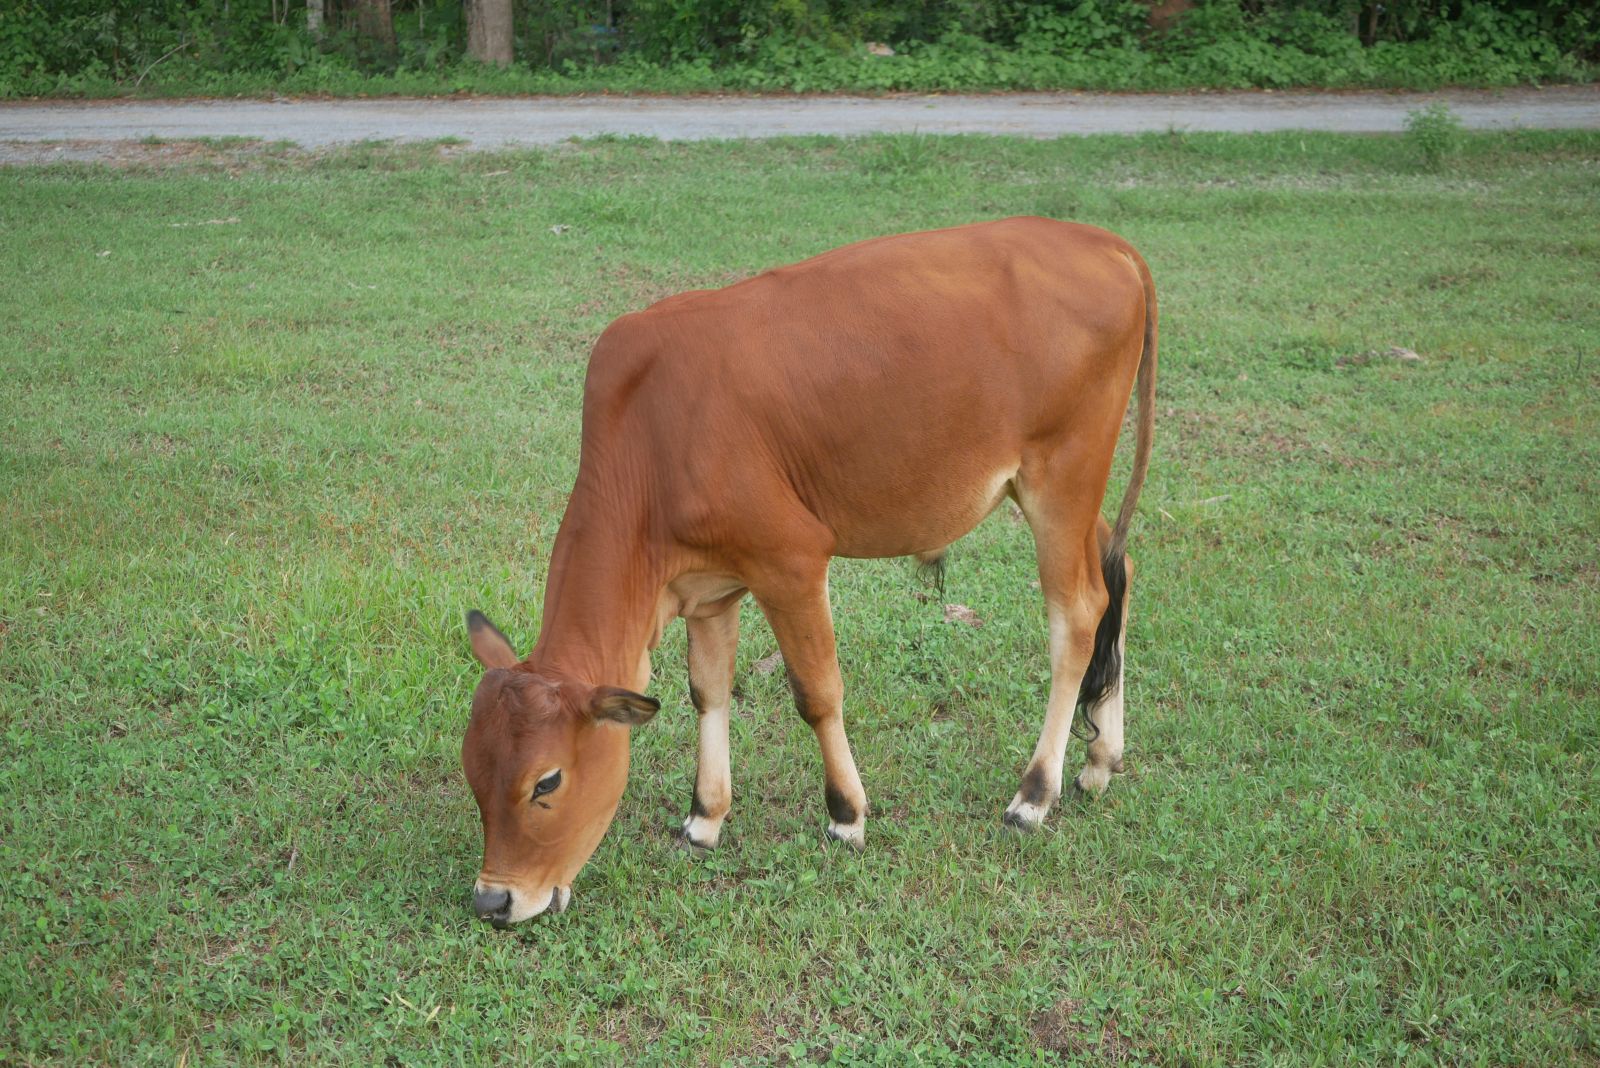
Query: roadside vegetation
[
  {"x": 97, "y": 48},
  {"x": 274, "y": 420}
]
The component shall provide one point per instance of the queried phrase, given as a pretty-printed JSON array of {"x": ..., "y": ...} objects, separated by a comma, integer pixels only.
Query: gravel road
[{"x": 497, "y": 122}]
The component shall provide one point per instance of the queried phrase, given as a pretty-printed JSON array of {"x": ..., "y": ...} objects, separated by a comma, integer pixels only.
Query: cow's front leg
[
  {"x": 803, "y": 625},
  {"x": 713, "y": 643}
]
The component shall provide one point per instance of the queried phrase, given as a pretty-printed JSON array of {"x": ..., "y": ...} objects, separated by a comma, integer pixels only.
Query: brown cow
[{"x": 878, "y": 400}]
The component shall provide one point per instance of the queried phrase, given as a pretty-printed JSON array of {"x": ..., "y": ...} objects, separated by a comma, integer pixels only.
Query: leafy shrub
[
  {"x": 1084, "y": 26},
  {"x": 1434, "y": 132},
  {"x": 99, "y": 47}
]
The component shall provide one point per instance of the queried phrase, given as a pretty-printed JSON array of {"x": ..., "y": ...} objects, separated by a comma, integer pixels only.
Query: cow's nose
[{"x": 492, "y": 905}]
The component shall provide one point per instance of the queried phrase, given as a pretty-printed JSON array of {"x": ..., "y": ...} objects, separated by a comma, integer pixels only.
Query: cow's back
[{"x": 902, "y": 375}]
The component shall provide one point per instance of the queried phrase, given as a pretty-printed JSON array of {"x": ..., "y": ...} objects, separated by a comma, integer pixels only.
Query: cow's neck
[{"x": 602, "y": 595}]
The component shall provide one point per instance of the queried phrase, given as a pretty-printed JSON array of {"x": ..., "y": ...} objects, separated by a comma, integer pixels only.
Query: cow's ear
[
  {"x": 488, "y": 644},
  {"x": 610, "y": 704}
]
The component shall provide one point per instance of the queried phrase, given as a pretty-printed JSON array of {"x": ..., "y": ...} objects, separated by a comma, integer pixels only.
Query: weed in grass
[
  {"x": 901, "y": 156},
  {"x": 1434, "y": 133}
]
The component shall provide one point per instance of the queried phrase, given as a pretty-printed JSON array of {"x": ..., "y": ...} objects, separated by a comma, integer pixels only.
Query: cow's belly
[
  {"x": 701, "y": 594},
  {"x": 904, "y": 520}
]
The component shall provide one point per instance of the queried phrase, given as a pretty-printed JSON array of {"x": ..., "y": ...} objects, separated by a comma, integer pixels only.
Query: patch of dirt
[
  {"x": 158, "y": 154},
  {"x": 1392, "y": 354},
  {"x": 218, "y": 951},
  {"x": 1466, "y": 276},
  {"x": 1059, "y": 1029},
  {"x": 960, "y": 613},
  {"x": 1066, "y": 1030},
  {"x": 153, "y": 444},
  {"x": 234, "y": 155}
]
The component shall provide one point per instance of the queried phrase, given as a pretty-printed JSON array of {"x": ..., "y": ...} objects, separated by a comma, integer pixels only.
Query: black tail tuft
[
  {"x": 1105, "y": 667},
  {"x": 931, "y": 572}
]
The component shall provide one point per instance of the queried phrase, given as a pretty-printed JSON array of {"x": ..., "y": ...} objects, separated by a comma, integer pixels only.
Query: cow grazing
[{"x": 877, "y": 400}]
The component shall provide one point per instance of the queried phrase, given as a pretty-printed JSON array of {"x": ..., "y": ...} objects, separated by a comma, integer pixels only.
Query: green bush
[
  {"x": 107, "y": 47},
  {"x": 1434, "y": 132}
]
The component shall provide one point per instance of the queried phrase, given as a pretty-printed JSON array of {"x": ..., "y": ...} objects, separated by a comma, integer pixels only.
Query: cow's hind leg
[
  {"x": 798, "y": 610},
  {"x": 1075, "y": 600},
  {"x": 713, "y": 643},
  {"x": 1105, "y": 713}
]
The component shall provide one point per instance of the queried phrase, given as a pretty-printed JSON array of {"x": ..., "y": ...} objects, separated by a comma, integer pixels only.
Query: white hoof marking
[
  {"x": 1024, "y": 816},
  {"x": 1094, "y": 779},
  {"x": 853, "y": 835},
  {"x": 702, "y": 831}
]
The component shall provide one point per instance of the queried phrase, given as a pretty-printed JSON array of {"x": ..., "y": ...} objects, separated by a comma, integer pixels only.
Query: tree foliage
[{"x": 73, "y": 46}]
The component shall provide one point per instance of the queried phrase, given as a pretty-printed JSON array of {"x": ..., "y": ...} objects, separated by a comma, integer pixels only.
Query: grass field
[{"x": 271, "y": 422}]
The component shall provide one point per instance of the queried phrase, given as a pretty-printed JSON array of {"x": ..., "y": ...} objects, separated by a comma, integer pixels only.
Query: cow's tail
[{"x": 1105, "y": 667}]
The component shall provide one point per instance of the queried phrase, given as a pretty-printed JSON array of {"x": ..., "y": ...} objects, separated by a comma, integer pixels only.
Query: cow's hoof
[
  {"x": 853, "y": 835},
  {"x": 690, "y": 846},
  {"x": 1022, "y": 816},
  {"x": 699, "y": 834},
  {"x": 1092, "y": 781}
]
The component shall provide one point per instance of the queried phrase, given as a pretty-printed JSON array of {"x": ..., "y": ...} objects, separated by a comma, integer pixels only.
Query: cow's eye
[{"x": 548, "y": 783}]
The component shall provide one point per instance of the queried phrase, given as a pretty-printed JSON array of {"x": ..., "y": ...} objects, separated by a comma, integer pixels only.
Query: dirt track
[{"x": 498, "y": 122}]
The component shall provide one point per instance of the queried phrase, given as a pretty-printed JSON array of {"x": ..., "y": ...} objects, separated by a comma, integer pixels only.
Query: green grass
[{"x": 253, "y": 472}]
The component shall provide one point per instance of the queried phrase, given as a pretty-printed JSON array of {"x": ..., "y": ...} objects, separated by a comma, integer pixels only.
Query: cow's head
[{"x": 547, "y": 760}]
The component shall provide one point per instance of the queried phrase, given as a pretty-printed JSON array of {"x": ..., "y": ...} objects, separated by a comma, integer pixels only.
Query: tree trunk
[
  {"x": 375, "y": 23},
  {"x": 314, "y": 12},
  {"x": 489, "y": 31},
  {"x": 1163, "y": 13}
]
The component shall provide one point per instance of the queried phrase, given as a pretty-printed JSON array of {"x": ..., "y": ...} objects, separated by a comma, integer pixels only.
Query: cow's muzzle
[
  {"x": 502, "y": 908},
  {"x": 492, "y": 905}
]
